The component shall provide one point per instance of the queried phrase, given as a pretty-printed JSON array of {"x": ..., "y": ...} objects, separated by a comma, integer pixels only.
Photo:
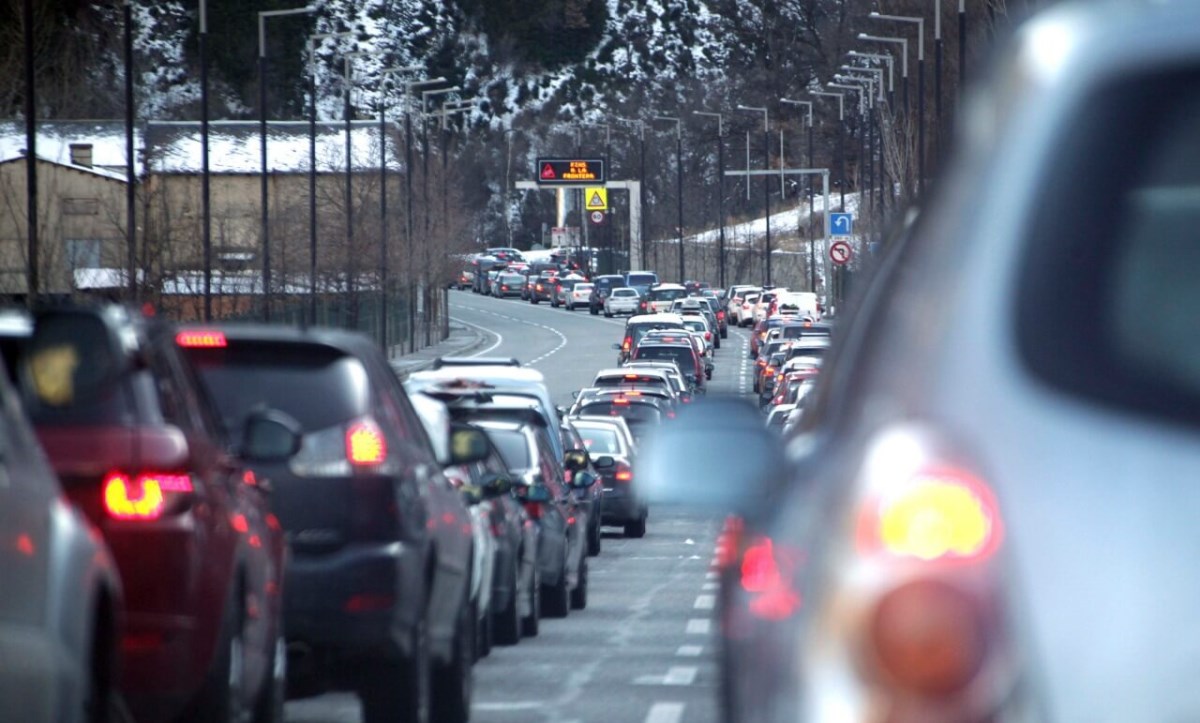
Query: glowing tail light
[
  {"x": 938, "y": 515},
  {"x": 624, "y": 474},
  {"x": 627, "y": 343},
  {"x": 365, "y": 444},
  {"x": 141, "y": 497},
  {"x": 768, "y": 582},
  {"x": 201, "y": 339}
]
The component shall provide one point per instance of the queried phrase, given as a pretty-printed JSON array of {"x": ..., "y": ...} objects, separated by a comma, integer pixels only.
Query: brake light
[
  {"x": 143, "y": 497},
  {"x": 627, "y": 343},
  {"x": 768, "y": 582},
  {"x": 621, "y": 402},
  {"x": 504, "y": 287},
  {"x": 539, "y": 287},
  {"x": 201, "y": 339},
  {"x": 708, "y": 336},
  {"x": 631, "y": 376},
  {"x": 939, "y": 515},
  {"x": 365, "y": 444},
  {"x": 624, "y": 475},
  {"x": 720, "y": 314},
  {"x": 534, "y": 510}
]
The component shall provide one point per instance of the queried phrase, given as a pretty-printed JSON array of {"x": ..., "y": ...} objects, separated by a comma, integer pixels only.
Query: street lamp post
[
  {"x": 841, "y": 142},
  {"x": 882, "y": 57},
  {"x": 962, "y": 47},
  {"x": 875, "y": 124},
  {"x": 920, "y": 21},
  {"x": 720, "y": 193},
  {"x": 863, "y": 99},
  {"x": 408, "y": 219},
  {"x": 205, "y": 193},
  {"x": 812, "y": 271},
  {"x": 606, "y": 232},
  {"x": 425, "y": 288},
  {"x": 937, "y": 74},
  {"x": 869, "y": 137},
  {"x": 766, "y": 183},
  {"x": 262, "y": 142},
  {"x": 312, "y": 168},
  {"x": 644, "y": 236},
  {"x": 383, "y": 205},
  {"x": 678, "y": 184},
  {"x": 351, "y": 267},
  {"x": 130, "y": 172}
]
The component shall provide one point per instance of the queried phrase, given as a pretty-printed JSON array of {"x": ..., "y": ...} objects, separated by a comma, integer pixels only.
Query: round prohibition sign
[{"x": 840, "y": 252}]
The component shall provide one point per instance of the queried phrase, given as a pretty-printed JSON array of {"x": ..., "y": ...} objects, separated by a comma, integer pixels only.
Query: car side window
[{"x": 1109, "y": 284}]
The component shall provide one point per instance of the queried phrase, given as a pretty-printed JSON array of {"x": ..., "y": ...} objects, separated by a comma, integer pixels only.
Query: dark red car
[{"x": 138, "y": 447}]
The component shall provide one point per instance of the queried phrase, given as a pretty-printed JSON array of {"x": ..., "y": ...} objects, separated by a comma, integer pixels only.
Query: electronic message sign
[{"x": 570, "y": 171}]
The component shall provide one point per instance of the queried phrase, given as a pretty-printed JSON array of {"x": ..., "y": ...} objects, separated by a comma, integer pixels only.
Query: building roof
[
  {"x": 174, "y": 147},
  {"x": 234, "y": 147}
]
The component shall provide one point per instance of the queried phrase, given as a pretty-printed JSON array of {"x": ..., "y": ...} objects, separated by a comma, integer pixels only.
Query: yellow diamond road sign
[{"x": 597, "y": 198}]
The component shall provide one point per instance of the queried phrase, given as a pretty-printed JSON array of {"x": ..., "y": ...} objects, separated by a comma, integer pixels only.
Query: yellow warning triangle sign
[{"x": 597, "y": 198}]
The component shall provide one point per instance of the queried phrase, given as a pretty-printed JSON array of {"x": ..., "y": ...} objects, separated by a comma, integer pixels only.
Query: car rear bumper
[
  {"x": 619, "y": 506},
  {"x": 360, "y": 601}
]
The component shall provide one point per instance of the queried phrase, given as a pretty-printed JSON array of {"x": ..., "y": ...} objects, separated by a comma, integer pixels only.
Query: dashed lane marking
[
  {"x": 699, "y": 626},
  {"x": 705, "y": 602},
  {"x": 689, "y": 651},
  {"x": 665, "y": 712}
]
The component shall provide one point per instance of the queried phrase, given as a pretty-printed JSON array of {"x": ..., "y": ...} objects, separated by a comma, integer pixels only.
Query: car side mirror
[
  {"x": 471, "y": 494},
  {"x": 495, "y": 485},
  {"x": 269, "y": 435},
  {"x": 535, "y": 493},
  {"x": 708, "y": 477},
  {"x": 468, "y": 446},
  {"x": 616, "y": 347},
  {"x": 575, "y": 460},
  {"x": 583, "y": 480},
  {"x": 603, "y": 462}
]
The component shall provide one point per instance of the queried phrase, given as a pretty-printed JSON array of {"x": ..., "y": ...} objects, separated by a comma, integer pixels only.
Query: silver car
[
  {"x": 60, "y": 609},
  {"x": 988, "y": 510},
  {"x": 622, "y": 300}
]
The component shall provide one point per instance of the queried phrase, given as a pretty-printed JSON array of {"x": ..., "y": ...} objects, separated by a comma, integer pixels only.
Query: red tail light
[
  {"x": 369, "y": 603},
  {"x": 624, "y": 473},
  {"x": 534, "y": 510},
  {"x": 201, "y": 339},
  {"x": 720, "y": 314},
  {"x": 627, "y": 343},
  {"x": 503, "y": 287},
  {"x": 365, "y": 444},
  {"x": 144, "y": 497},
  {"x": 769, "y": 581},
  {"x": 708, "y": 336}
]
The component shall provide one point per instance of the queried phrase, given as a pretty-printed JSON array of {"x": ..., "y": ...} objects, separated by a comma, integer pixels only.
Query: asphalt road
[{"x": 644, "y": 650}]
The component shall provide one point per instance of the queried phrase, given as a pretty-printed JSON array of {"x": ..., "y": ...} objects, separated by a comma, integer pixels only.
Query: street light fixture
[
  {"x": 920, "y": 21},
  {"x": 678, "y": 184},
  {"x": 891, "y": 62},
  {"x": 720, "y": 192},
  {"x": 766, "y": 183},
  {"x": 876, "y": 80},
  {"x": 312, "y": 167},
  {"x": 262, "y": 130},
  {"x": 903, "y": 43}
]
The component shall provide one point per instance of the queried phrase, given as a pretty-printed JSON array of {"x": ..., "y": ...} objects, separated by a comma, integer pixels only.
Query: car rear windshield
[
  {"x": 681, "y": 355},
  {"x": 637, "y": 331},
  {"x": 624, "y": 292},
  {"x": 667, "y": 294},
  {"x": 646, "y": 280},
  {"x": 513, "y": 446},
  {"x": 317, "y": 385},
  {"x": 599, "y": 440},
  {"x": 633, "y": 413},
  {"x": 69, "y": 372}
]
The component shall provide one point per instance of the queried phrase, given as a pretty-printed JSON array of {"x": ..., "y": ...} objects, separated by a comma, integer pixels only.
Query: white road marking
[
  {"x": 665, "y": 713},
  {"x": 499, "y": 339},
  {"x": 689, "y": 651},
  {"x": 502, "y": 707},
  {"x": 680, "y": 675},
  {"x": 699, "y": 626},
  {"x": 710, "y": 586},
  {"x": 712, "y": 575},
  {"x": 705, "y": 602}
]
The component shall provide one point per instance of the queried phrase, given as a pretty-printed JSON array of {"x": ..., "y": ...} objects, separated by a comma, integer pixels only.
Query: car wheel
[
  {"x": 507, "y": 621},
  {"x": 607, "y": 314},
  {"x": 596, "y": 311},
  {"x": 531, "y": 623},
  {"x": 268, "y": 707},
  {"x": 725, "y": 333},
  {"x": 398, "y": 691},
  {"x": 557, "y": 599},
  {"x": 579, "y": 594},
  {"x": 636, "y": 529},
  {"x": 101, "y": 701},
  {"x": 452, "y": 683},
  {"x": 593, "y": 540},
  {"x": 223, "y": 697}
]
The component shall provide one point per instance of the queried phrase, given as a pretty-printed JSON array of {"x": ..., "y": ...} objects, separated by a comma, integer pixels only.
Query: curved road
[{"x": 643, "y": 651}]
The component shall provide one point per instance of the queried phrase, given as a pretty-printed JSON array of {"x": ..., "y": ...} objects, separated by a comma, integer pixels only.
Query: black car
[
  {"x": 516, "y": 582},
  {"x": 540, "y": 485},
  {"x": 542, "y": 287},
  {"x": 576, "y": 460},
  {"x": 602, "y": 287},
  {"x": 378, "y": 582},
  {"x": 612, "y": 456}
]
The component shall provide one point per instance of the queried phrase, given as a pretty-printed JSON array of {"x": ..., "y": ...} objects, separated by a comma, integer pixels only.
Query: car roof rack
[{"x": 475, "y": 361}]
